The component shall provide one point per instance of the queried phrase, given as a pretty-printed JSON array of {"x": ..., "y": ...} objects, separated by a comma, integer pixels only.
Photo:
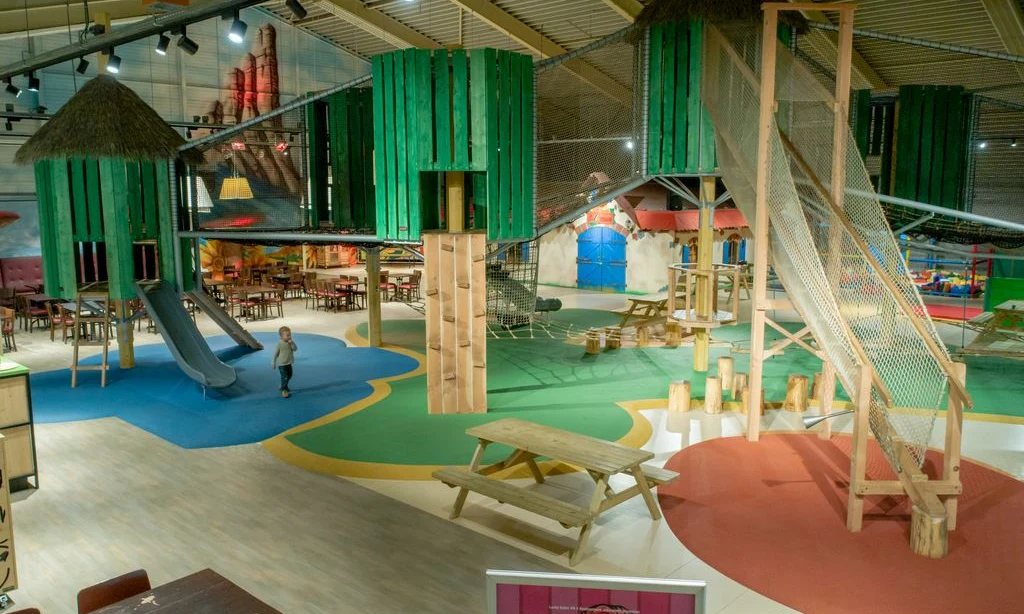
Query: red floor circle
[{"x": 771, "y": 515}]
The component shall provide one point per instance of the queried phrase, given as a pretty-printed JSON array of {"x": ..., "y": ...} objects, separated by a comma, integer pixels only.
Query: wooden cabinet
[{"x": 16, "y": 426}]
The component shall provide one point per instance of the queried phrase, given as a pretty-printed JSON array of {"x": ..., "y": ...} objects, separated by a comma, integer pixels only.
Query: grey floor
[{"x": 115, "y": 498}]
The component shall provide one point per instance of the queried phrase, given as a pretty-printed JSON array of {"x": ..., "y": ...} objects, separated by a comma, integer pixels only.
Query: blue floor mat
[{"x": 157, "y": 397}]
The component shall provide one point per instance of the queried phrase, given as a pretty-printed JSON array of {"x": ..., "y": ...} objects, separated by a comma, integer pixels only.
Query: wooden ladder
[{"x": 93, "y": 301}]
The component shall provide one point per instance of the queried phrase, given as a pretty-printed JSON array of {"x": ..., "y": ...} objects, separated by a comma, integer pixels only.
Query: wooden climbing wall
[
  {"x": 680, "y": 136},
  {"x": 931, "y": 146},
  {"x": 437, "y": 111},
  {"x": 455, "y": 294}
]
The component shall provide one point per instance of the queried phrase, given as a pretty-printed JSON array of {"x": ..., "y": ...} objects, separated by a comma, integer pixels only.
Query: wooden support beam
[
  {"x": 628, "y": 9},
  {"x": 1008, "y": 18},
  {"x": 828, "y": 45},
  {"x": 536, "y": 42},
  {"x": 895, "y": 487},
  {"x": 859, "y": 451},
  {"x": 373, "y": 295},
  {"x": 378, "y": 24},
  {"x": 54, "y": 16},
  {"x": 951, "y": 449}
]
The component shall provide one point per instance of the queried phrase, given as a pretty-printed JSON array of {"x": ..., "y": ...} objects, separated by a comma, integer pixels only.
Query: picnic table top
[
  {"x": 1010, "y": 306},
  {"x": 580, "y": 450}
]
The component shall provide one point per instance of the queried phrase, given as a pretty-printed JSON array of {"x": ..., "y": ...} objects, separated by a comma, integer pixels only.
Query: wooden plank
[
  {"x": 689, "y": 113},
  {"x": 149, "y": 203},
  {"x": 403, "y": 177},
  {"x": 463, "y": 324},
  {"x": 415, "y": 143},
  {"x": 654, "y": 97},
  {"x": 120, "y": 259},
  {"x": 79, "y": 202},
  {"x": 515, "y": 146},
  {"x": 479, "y": 94},
  {"x": 339, "y": 116},
  {"x": 525, "y": 215},
  {"x": 134, "y": 194},
  {"x": 394, "y": 201},
  {"x": 63, "y": 241},
  {"x": 888, "y": 145},
  {"x": 460, "y": 109},
  {"x": 352, "y": 162},
  {"x": 92, "y": 193},
  {"x": 47, "y": 234},
  {"x": 380, "y": 153},
  {"x": 505, "y": 96},
  {"x": 478, "y": 181},
  {"x": 859, "y": 451},
  {"x": 491, "y": 115},
  {"x": 909, "y": 153},
  {"x": 443, "y": 109},
  {"x": 671, "y": 124},
  {"x": 432, "y": 308},
  {"x": 951, "y": 448},
  {"x": 478, "y": 253},
  {"x": 165, "y": 225},
  {"x": 506, "y": 492},
  {"x": 449, "y": 338}
]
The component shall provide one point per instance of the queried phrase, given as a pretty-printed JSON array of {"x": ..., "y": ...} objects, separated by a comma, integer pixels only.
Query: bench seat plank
[{"x": 565, "y": 513}]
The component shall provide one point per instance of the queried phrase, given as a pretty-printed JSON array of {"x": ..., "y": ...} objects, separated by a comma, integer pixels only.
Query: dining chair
[
  {"x": 7, "y": 297},
  {"x": 273, "y": 300},
  {"x": 386, "y": 285},
  {"x": 309, "y": 289},
  {"x": 30, "y": 314},
  {"x": 410, "y": 289},
  {"x": 113, "y": 590},
  {"x": 60, "y": 317},
  {"x": 7, "y": 316}
]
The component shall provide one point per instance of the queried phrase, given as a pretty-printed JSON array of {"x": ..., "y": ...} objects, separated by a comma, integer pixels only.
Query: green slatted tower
[{"x": 102, "y": 167}]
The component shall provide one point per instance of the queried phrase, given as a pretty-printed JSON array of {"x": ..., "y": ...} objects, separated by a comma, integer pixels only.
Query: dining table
[
  {"x": 204, "y": 592},
  {"x": 257, "y": 290}
]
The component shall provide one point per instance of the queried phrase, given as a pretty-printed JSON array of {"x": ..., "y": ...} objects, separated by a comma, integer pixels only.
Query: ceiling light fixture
[
  {"x": 12, "y": 89},
  {"x": 163, "y": 44},
  {"x": 1013, "y": 142},
  {"x": 33, "y": 82},
  {"x": 113, "y": 62},
  {"x": 83, "y": 65},
  {"x": 982, "y": 145},
  {"x": 298, "y": 11},
  {"x": 188, "y": 45},
  {"x": 238, "y": 27}
]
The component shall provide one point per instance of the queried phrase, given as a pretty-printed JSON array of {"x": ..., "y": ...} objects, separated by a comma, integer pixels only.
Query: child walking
[{"x": 284, "y": 355}]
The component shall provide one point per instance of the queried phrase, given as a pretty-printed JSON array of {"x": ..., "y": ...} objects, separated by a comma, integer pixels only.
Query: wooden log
[
  {"x": 929, "y": 535},
  {"x": 745, "y": 401},
  {"x": 796, "y": 394},
  {"x": 713, "y": 395},
  {"x": 816, "y": 386},
  {"x": 725, "y": 372},
  {"x": 612, "y": 338},
  {"x": 593, "y": 342},
  {"x": 739, "y": 382},
  {"x": 679, "y": 395},
  {"x": 673, "y": 334},
  {"x": 643, "y": 336}
]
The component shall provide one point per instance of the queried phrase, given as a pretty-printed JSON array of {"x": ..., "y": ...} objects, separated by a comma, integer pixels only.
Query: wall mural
[{"x": 19, "y": 229}]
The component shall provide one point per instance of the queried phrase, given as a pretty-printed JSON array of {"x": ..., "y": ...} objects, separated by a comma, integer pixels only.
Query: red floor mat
[{"x": 952, "y": 312}]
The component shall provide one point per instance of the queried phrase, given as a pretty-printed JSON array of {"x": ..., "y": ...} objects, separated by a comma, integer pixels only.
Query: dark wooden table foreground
[{"x": 204, "y": 592}]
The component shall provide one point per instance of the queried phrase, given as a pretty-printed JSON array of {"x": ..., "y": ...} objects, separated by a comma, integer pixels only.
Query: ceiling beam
[
  {"x": 628, "y": 9},
  {"x": 1008, "y": 19},
  {"x": 378, "y": 24},
  {"x": 862, "y": 71},
  {"x": 39, "y": 19},
  {"x": 536, "y": 42}
]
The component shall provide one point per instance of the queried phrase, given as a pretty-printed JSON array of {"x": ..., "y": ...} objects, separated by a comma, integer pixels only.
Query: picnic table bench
[
  {"x": 530, "y": 441},
  {"x": 648, "y": 310}
]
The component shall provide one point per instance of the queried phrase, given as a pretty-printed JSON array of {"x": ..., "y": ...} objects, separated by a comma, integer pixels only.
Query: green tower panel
[
  {"x": 931, "y": 151},
  {"x": 350, "y": 126}
]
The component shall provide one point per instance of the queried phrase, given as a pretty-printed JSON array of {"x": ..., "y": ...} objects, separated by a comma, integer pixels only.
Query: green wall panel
[
  {"x": 931, "y": 154},
  {"x": 350, "y": 127},
  {"x": 317, "y": 140}
]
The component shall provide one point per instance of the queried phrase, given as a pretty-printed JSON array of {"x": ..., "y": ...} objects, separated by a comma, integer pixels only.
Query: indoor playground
[{"x": 353, "y": 306}]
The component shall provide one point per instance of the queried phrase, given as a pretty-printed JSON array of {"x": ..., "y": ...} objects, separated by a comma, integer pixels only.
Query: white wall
[
  {"x": 647, "y": 260},
  {"x": 557, "y": 265}
]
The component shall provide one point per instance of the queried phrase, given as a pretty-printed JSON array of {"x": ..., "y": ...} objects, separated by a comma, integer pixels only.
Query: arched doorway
[{"x": 601, "y": 260}]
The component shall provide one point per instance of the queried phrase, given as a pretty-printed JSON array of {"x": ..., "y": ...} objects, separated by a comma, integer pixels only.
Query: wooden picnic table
[
  {"x": 648, "y": 310},
  {"x": 599, "y": 458},
  {"x": 204, "y": 592}
]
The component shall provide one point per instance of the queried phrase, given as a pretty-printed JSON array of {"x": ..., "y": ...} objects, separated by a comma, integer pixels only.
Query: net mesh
[
  {"x": 512, "y": 285},
  {"x": 849, "y": 284},
  {"x": 589, "y": 127},
  {"x": 996, "y": 171}
]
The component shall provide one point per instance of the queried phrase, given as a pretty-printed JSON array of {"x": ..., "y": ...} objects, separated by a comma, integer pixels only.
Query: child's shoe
[{"x": 285, "y": 394}]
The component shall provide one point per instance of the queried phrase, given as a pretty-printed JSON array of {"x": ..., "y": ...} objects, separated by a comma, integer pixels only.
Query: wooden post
[
  {"x": 713, "y": 395},
  {"x": 455, "y": 198},
  {"x": 432, "y": 311},
  {"x": 373, "y": 295},
  {"x": 739, "y": 384},
  {"x": 643, "y": 338},
  {"x": 612, "y": 338},
  {"x": 951, "y": 449},
  {"x": 760, "y": 229},
  {"x": 125, "y": 335},
  {"x": 796, "y": 394},
  {"x": 673, "y": 334},
  {"x": 673, "y": 281},
  {"x": 859, "y": 450},
  {"x": 707, "y": 287},
  {"x": 679, "y": 396},
  {"x": 815, "y": 385},
  {"x": 929, "y": 535},
  {"x": 593, "y": 343},
  {"x": 478, "y": 253},
  {"x": 102, "y": 18},
  {"x": 8, "y": 568},
  {"x": 826, "y": 395},
  {"x": 725, "y": 372}
]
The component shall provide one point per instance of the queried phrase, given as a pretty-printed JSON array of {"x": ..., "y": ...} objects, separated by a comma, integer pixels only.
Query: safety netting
[
  {"x": 839, "y": 262},
  {"x": 589, "y": 126},
  {"x": 511, "y": 285}
]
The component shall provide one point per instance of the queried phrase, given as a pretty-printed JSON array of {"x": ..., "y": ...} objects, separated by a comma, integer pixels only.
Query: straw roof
[
  {"x": 715, "y": 11},
  {"x": 104, "y": 119}
]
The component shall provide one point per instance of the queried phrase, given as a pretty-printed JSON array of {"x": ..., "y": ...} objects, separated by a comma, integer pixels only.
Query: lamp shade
[{"x": 235, "y": 188}]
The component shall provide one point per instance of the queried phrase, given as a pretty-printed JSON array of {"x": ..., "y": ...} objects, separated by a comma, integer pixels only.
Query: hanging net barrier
[
  {"x": 511, "y": 285},
  {"x": 589, "y": 115},
  {"x": 839, "y": 262}
]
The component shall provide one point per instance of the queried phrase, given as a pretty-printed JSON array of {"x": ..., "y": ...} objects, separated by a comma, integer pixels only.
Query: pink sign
[{"x": 538, "y": 599}]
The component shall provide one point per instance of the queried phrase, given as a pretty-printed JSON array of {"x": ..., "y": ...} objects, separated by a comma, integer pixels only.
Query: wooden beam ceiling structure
[
  {"x": 1008, "y": 19},
  {"x": 497, "y": 18},
  {"x": 628, "y": 9},
  {"x": 42, "y": 18},
  {"x": 378, "y": 24},
  {"x": 826, "y": 44}
]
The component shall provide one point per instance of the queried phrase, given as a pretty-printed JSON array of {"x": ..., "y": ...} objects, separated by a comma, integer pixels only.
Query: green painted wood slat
[
  {"x": 79, "y": 202},
  {"x": 668, "y": 94},
  {"x": 165, "y": 225},
  {"x": 47, "y": 235},
  {"x": 443, "y": 109},
  {"x": 116, "y": 206},
  {"x": 526, "y": 209},
  {"x": 493, "y": 140},
  {"x": 149, "y": 203},
  {"x": 64, "y": 244},
  {"x": 515, "y": 145},
  {"x": 95, "y": 201},
  {"x": 927, "y": 152},
  {"x": 478, "y": 111},
  {"x": 380, "y": 157},
  {"x": 654, "y": 98},
  {"x": 402, "y": 144},
  {"x": 460, "y": 110}
]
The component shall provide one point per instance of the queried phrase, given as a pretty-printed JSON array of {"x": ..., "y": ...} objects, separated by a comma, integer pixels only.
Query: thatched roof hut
[{"x": 104, "y": 119}]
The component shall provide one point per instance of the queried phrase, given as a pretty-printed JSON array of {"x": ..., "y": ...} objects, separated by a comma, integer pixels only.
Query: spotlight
[
  {"x": 163, "y": 43},
  {"x": 33, "y": 82},
  {"x": 297, "y": 9},
  {"x": 188, "y": 133},
  {"x": 1013, "y": 142},
  {"x": 188, "y": 45},
  {"x": 12, "y": 89},
  {"x": 96, "y": 29},
  {"x": 237, "y": 32},
  {"x": 982, "y": 145},
  {"x": 629, "y": 144},
  {"x": 113, "y": 62},
  {"x": 83, "y": 65},
  {"x": 9, "y": 126}
]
